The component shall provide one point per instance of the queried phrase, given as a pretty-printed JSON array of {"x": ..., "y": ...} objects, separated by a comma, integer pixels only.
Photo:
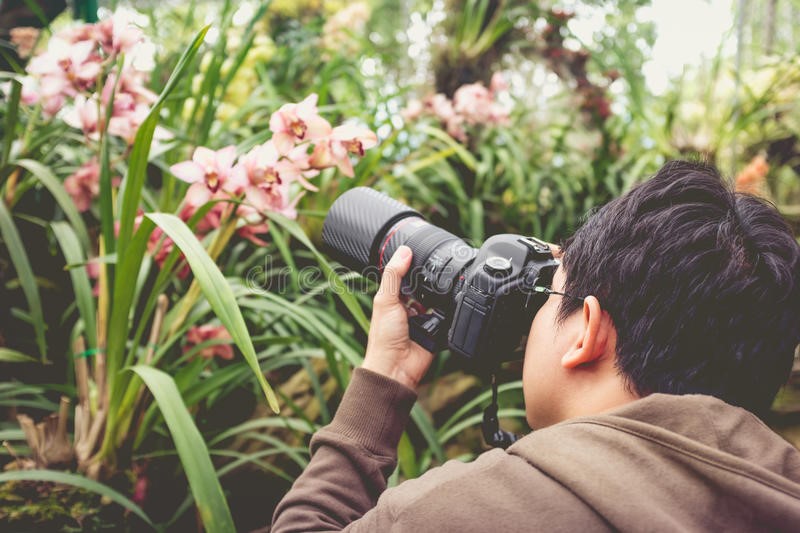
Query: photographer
[{"x": 674, "y": 317}]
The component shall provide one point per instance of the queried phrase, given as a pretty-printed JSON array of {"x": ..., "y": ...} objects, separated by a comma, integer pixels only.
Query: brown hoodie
[{"x": 662, "y": 463}]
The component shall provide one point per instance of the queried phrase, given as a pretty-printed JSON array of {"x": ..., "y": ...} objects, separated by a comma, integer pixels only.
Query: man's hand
[{"x": 390, "y": 351}]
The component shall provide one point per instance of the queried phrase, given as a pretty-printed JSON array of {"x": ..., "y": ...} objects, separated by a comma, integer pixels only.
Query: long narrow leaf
[
  {"x": 192, "y": 450},
  {"x": 16, "y": 250},
  {"x": 119, "y": 326},
  {"x": 73, "y": 254},
  {"x": 12, "y": 356},
  {"x": 12, "y": 110},
  {"x": 46, "y": 177},
  {"x": 75, "y": 480},
  {"x": 137, "y": 167},
  {"x": 217, "y": 292},
  {"x": 425, "y": 426}
]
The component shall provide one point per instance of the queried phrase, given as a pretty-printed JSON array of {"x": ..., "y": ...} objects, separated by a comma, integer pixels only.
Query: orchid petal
[{"x": 188, "y": 171}]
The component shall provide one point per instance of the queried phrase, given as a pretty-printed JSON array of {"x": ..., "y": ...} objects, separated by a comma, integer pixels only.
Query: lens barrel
[
  {"x": 364, "y": 228},
  {"x": 357, "y": 221}
]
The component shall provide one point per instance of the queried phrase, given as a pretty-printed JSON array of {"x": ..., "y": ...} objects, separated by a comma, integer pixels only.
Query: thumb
[{"x": 396, "y": 268}]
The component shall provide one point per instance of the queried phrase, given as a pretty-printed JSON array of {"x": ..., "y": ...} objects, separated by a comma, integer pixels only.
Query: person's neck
[{"x": 597, "y": 397}]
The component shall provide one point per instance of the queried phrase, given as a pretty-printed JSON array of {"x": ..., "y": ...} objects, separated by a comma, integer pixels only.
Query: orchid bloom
[
  {"x": 200, "y": 334},
  {"x": 208, "y": 166},
  {"x": 84, "y": 185},
  {"x": 117, "y": 34},
  {"x": 93, "y": 271},
  {"x": 252, "y": 231},
  {"x": 412, "y": 111},
  {"x": 132, "y": 84},
  {"x": 498, "y": 83},
  {"x": 473, "y": 102},
  {"x": 66, "y": 68},
  {"x": 344, "y": 140},
  {"x": 264, "y": 177},
  {"x": 84, "y": 116},
  {"x": 125, "y": 125},
  {"x": 264, "y": 168},
  {"x": 275, "y": 199},
  {"x": 196, "y": 196},
  {"x": 441, "y": 107},
  {"x": 296, "y": 123}
]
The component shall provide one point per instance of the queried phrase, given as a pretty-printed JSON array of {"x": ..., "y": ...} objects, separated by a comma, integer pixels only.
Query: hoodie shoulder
[{"x": 674, "y": 462}]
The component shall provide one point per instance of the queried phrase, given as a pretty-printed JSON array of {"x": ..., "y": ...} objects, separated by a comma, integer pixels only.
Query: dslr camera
[{"x": 480, "y": 301}]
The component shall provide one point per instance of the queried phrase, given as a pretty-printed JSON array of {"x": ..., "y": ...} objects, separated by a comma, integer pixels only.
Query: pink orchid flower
[
  {"x": 498, "y": 83},
  {"x": 412, "y": 111},
  {"x": 66, "y": 68},
  {"x": 440, "y": 106},
  {"x": 125, "y": 124},
  {"x": 200, "y": 334},
  {"x": 75, "y": 34},
  {"x": 84, "y": 116},
  {"x": 275, "y": 200},
  {"x": 208, "y": 166},
  {"x": 301, "y": 160},
  {"x": 264, "y": 168},
  {"x": 160, "y": 247},
  {"x": 93, "y": 271},
  {"x": 455, "y": 128},
  {"x": 131, "y": 84},
  {"x": 343, "y": 141},
  {"x": 198, "y": 195},
  {"x": 84, "y": 185},
  {"x": 473, "y": 101},
  {"x": 251, "y": 232},
  {"x": 295, "y": 123},
  {"x": 117, "y": 34}
]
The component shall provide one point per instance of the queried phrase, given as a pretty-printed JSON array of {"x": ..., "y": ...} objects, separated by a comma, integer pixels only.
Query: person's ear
[{"x": 591, "y": 341}]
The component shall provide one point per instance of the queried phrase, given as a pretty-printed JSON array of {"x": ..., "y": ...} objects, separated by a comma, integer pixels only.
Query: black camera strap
[{"x": 492, "y": 434}]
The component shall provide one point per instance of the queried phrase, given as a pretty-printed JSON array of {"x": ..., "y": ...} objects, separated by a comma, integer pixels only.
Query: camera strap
[{"x": 492, "y": 434}]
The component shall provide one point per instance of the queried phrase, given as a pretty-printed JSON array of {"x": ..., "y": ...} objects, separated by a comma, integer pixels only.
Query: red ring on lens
[{"x": 389, "y": 236}]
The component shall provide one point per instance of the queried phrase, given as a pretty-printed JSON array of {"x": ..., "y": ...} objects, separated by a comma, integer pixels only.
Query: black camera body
[{"x": 480, "y": 302}]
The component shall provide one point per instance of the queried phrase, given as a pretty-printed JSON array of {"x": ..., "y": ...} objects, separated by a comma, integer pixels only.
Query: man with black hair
[{"x": 678, "y": 318}]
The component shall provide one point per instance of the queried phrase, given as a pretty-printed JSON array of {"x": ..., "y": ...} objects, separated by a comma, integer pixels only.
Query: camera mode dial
[{"x": 497, "y": 265}]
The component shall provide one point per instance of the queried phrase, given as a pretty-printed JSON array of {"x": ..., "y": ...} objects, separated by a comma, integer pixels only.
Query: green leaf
[
  {"x": 76, "y": 481},
  {"x": 423, "y": 422},
  {"x": 128, "y": 266},
  {"x": 73, "y": 254},
  {"x": 53, "y": 184},
  {"x": 12, "y": 356},
  {"x": 217, "y": 292},
  {"x": 106, "y": 194},
  {"x": 466, "y": 157},
  {"x": 137, "y": 162},
  {"x": 12, "y": 111},
  {"x": 192, "y": 450},
  {"x": 16, "y": 250},
  {"x": 338, "y": 286}
]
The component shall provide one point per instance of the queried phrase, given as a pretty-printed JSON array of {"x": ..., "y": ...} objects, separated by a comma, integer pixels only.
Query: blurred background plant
[{"x": 183, "y": 300}]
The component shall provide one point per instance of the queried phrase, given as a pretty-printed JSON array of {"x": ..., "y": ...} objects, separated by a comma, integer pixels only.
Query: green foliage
[
  {"x": 297, "y": 321},
  {"x": 216, "y": 291},
  {"x": 71, "y": 508},
  {"x": 189, "y": 444}
]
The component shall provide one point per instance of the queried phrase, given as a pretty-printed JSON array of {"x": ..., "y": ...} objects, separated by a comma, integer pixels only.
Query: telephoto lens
[{"x": 364, "y": 228}]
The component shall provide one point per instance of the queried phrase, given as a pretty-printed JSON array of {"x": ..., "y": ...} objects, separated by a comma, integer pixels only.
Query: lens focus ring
[{"x": 357, "y": 220}]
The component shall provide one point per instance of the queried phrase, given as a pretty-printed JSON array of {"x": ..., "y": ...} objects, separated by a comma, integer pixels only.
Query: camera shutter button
[{"x": 497, "y": 265}]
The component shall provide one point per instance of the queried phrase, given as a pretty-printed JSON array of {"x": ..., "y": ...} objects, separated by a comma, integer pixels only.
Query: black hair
[{"x": 702, "y": 284}]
